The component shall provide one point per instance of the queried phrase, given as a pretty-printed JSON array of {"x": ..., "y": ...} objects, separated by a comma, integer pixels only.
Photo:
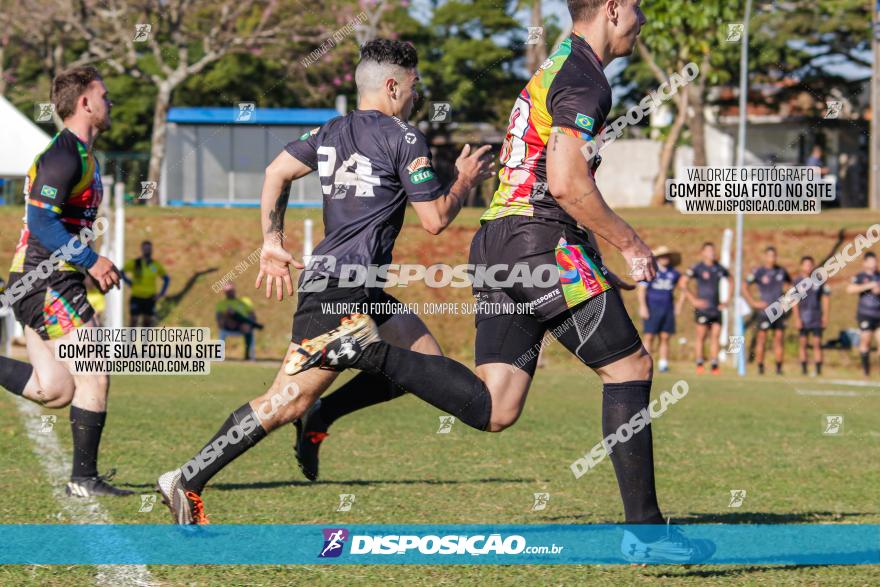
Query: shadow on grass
[
  {"x": 726, "y": 571},
  {"x": 768, "y": 517},
  {"x": 742, "y": 518},
  {"x": 355, "y": 482},
  {"x": 168, "y": 304},
  {"x": 363, "y": 482}
]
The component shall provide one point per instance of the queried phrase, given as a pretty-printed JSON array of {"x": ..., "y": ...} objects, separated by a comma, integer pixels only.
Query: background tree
[{"x": 184, "y": 39}]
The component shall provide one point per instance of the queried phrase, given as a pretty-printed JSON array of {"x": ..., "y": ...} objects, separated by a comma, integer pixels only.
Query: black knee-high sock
[
  {"x": 14, "y": 375},
  {"x": 634, "y": 459},
  {"x": 362, "y": 391},
  {"x": 866, "y": 364},
  {"x": 440, "y": 381},
  {"x": 240, "y": 431},
  {"x": 86, "y": 427}
]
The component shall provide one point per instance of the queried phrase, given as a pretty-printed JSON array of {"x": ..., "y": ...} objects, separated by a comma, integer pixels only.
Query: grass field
[
  {"x": 755, "y": 434},
  {"x": 761, "y": 435},
  {"x": 200, "y": 246}
]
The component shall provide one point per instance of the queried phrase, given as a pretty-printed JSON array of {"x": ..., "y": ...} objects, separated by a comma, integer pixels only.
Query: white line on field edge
[
  {"x": 83, "y": 510},
  {"x": 831, "y": 393}
]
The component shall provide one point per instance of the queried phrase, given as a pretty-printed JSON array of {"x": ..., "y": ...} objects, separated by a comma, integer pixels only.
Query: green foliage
[{"x": 472, "y": 57}]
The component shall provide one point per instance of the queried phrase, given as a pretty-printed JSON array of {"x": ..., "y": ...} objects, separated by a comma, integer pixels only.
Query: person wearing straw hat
[{"x": 656, "y": 303}]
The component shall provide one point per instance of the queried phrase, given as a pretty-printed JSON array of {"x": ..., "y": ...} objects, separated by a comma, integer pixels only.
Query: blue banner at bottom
[{"x": 783, "y": 544}]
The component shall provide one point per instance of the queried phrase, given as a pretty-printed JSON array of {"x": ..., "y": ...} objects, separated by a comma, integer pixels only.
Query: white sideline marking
[
  {"x": 832, "y": 393},
  {"x": 853, "y": 383},
  {"x": 82, "y": 510}
]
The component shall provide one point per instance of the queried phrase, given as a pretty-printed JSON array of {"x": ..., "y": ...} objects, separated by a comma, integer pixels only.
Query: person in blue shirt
[{"x": 656, "y": 303}]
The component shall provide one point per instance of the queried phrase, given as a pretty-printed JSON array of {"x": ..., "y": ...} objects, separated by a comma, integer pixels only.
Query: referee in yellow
[{"x": 142, "y": 275}]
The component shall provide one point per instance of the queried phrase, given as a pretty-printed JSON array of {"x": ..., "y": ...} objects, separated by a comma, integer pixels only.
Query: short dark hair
[
  {"x": 808, "y": 258},
  {"x": 69, "y": 85},
  {"x": 769, "y": 249},
  {"x": 870, "y": 255},
  {"x": 584, "y": 10},
  {"x": 707, "y": 244},
  {"x": 386, "y": 51}
]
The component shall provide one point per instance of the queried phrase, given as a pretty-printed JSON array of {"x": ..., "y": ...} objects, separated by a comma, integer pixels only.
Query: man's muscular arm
[
  {"x": 276, "y": 192},
  {"x": 570, "y": 182},
  {"x": 274, "y": 258}
]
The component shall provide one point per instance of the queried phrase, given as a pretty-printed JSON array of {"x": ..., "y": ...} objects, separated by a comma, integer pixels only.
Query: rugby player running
[
  {"x": 371, "y": 163},
  {"x": 546, "y": 212},
  {"x": 63, "y": 192}
]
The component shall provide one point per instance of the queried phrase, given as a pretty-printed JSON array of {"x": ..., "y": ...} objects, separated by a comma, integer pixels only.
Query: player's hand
[
  {"x": 105, "y": 274},
  {"x": 760, "y": 305},
  {"x": 824, "y": 321},
  {"x": 701, "y": 304},
  {"x": 876, "y": 289},
  {"x": 640, "y": 261},
  {"x": 644, "y": 314},
  {"x": 275, "y": 264},
  {"x": 475, "y": 167},
  {"x": 798, "y": 324}
]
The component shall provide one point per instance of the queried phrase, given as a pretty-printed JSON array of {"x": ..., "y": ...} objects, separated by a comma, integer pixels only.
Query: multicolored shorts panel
[
  {"x": 567, "y": 270},
  {"x": 54, "y": 306}
]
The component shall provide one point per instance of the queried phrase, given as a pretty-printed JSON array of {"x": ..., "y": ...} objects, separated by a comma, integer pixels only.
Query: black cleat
[
  {"x": 96, "y": 486},
  {"x": 336, "y": 350},
  {"x": 310, "y": 433}
]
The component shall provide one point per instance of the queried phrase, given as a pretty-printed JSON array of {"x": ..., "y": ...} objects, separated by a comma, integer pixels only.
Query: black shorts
[
  {"x": 707, "y": 317},
  {"x": 318, "y": 312},
  {"x": 598, "y": 332},
  {"x": 569, "y": 298},
  {"x": 549, "y": 267},
  {"x": 867, "y": 323},
  {"x": 141, "y": 306},
  {"x": 814, "y": 330},
  {"x": 53, "y": 306},
  {"x": 765, "y": 323}
]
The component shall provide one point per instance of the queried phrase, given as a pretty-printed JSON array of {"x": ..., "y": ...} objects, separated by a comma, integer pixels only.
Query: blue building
[{"x": 217, "y": 156}]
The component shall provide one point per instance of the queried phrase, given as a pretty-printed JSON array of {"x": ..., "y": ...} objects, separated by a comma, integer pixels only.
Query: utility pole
[
  {"x": 874, "y": 140},
  {"x": 739, "y": 327}
]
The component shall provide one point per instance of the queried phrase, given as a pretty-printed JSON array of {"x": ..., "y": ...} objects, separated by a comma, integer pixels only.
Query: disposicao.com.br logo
[{"x": 476, "y": 545}]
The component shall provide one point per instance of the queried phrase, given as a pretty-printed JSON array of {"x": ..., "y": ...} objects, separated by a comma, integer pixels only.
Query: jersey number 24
[{"x": 356, "y": 171}]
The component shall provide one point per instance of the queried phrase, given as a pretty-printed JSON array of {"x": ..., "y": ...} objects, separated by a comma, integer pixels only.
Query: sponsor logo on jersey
[
  {"x": 418, "y": 163},
  {"x": 310, "y": 133},
  {"x": 585, "y": 122},
  {"x": 49, "y": 192},
  {"x": 422, "y": 176}
]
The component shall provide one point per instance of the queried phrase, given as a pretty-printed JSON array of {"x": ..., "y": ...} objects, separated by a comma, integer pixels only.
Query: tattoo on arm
[{"x": 276, "y": 215}]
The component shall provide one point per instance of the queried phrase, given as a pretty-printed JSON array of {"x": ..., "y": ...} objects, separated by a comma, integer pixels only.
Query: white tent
[{"x": 20, "y": 141}]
